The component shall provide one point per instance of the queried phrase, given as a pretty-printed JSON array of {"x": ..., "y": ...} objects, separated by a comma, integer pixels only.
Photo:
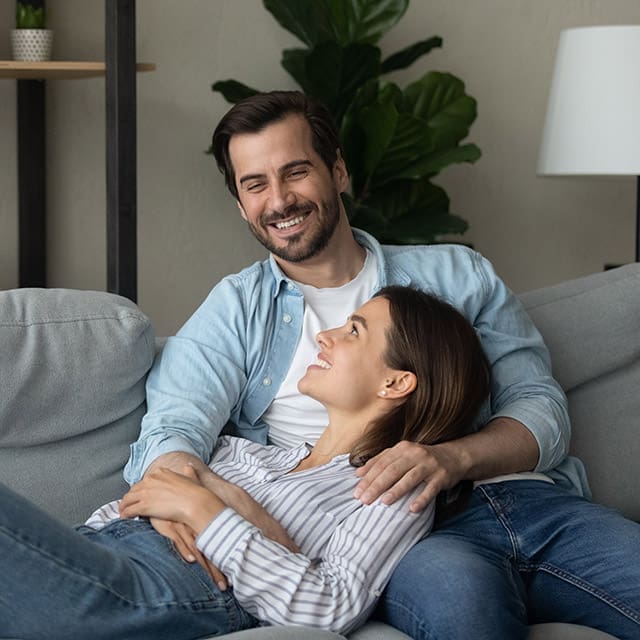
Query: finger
[
  {"x": 382, "y": 477},
  {"x": 407, "y": 483},
  {"x": 425, "y": 497},
  {"x": 368, "y": 465},
  {"x": 216, "y": 575}
]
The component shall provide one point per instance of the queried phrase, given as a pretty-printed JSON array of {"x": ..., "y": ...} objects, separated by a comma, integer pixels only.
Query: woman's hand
[{"x": 167, "y": 495}]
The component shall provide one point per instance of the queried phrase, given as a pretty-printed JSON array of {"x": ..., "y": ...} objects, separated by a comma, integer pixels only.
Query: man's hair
[
  {"x": 253, "y": 114},
  {"x": 433, "y": 340}
]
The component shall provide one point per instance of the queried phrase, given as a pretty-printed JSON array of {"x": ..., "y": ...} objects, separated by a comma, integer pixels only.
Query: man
[{"x": 503, "y": 561}]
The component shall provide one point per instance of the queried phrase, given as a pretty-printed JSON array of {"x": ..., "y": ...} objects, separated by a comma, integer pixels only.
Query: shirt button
[
  {"x": 266, "y": 381},
  {"x": 286, "y": 318}
]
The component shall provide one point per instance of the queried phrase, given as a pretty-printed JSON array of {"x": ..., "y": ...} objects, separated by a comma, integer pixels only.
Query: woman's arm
[
  {"x": 168, "y": 495},
  {"x": 336, "y": 591}
]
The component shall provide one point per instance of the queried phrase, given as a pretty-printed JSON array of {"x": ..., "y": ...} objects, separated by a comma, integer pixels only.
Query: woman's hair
[
  {"x": 254, "y": 113},
  {"x": 434, "y": 341}
]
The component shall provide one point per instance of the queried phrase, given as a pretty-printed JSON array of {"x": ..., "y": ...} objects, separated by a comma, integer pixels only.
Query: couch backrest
[
  {"x": 73, "y": 366},
  {"x": 72, "y": 371},
  {"x": 592, "y": 328}
]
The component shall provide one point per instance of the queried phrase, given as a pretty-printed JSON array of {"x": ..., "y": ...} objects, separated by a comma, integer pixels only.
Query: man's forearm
[
  {"x": 176, "y": 461},
  {"x": 504, "y": 445}
]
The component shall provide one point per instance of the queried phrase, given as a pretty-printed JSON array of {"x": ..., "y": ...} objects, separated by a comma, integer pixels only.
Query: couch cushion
[
  {"x": 72, "y": 371},
  {"x": 592, "y": 328}
]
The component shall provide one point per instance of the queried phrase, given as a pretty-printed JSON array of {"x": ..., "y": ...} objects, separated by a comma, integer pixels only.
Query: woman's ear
[{"x": 399, "y": 385}]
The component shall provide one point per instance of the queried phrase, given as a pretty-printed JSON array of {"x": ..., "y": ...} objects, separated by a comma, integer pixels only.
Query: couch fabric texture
[{"x": 73, "y": 366}]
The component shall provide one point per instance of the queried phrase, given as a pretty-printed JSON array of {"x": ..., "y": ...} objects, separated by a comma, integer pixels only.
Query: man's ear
[
  {"x": 340, "y": 173},
  {"x": 242, "y": 212},
  {"x": 399, "y": 385}
]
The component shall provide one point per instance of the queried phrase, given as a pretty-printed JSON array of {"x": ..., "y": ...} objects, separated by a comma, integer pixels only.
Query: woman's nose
[{"x": 324, "y": 339}]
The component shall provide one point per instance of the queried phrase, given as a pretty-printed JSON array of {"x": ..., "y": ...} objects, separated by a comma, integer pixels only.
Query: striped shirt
[{"x": 348, "y": 550}]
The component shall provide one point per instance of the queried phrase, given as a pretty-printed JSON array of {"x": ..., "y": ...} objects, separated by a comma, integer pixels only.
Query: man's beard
[{"x": 296, "y": 250}]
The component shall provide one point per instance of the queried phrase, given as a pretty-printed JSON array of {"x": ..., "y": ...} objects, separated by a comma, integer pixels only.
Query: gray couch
[{"x": 73, "y": 366}]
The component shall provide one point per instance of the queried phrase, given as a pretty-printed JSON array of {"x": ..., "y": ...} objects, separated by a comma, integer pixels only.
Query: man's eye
[
  {"x": 299, "y": 173},
  {"x": 255, "y": 186},
  {"x": 354, "y": 330}
]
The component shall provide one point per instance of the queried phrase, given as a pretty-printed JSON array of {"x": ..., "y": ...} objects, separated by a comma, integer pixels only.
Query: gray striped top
[{"x": 348, "y": 550}]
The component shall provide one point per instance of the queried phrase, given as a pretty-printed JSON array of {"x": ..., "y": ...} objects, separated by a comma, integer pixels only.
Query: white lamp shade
[{"x": 593, "y": 116}]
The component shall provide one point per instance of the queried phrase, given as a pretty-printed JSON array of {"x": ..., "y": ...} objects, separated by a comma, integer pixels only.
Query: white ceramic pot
[{"x": 31, "y": 45}]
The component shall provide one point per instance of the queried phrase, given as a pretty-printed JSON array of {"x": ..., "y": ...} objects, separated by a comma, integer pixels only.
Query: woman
[{"x": 405, "y": 366}]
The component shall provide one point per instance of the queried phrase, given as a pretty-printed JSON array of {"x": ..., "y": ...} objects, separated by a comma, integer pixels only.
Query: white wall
[{"x": 536, "y": 230}]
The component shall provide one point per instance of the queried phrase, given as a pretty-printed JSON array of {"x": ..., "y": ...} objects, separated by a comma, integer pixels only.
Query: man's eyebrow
[
  {"x": 283, "y": 169},
  {"x": 356, "y": 318}
]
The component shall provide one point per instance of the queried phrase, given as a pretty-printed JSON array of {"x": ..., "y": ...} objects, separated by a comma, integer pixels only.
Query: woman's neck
[{"x": 339, "y": 437}]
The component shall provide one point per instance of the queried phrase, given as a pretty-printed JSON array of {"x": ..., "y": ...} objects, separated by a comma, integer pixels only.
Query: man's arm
[
  {"x": 194, "y": 384},
  {"x": 527, "y": 423}
]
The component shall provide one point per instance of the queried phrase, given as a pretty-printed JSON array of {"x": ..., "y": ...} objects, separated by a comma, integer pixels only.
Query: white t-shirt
[{"x": 294, "y": 418}]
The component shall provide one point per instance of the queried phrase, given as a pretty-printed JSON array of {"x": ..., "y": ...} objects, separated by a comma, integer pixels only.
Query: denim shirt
[{"x": 224, "y": 366}]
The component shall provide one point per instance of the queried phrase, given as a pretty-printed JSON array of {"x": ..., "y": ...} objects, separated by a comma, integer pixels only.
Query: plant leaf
[
  {"x": 309, "y": 21},
  {"x": 335, "y": 73},
  {"x": 440, "y": 100},
  {"x": 406, "y": 57},
  {"x": 233, "y": 91},
  {"x": 364, "y": 21},
  {"x": 400, "y": 196},
  {"x": 294, "y": 62},
  {"x": 433, "y": 163}
]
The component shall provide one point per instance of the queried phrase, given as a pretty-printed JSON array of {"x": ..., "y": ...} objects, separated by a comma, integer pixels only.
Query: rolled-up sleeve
[{"x": 523, "y": 387}]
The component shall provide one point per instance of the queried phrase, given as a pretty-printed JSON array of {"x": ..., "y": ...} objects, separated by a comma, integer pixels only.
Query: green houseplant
[
  {"x": 395, "y": 140},
  {"x": 31, "y": 41}
]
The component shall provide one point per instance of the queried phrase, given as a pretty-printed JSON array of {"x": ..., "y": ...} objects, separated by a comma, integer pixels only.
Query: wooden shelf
[{"x": 58, "y": 69}]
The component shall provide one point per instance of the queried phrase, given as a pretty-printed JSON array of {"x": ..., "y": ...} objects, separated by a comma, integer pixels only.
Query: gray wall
[{"x": 537, "y": 231}]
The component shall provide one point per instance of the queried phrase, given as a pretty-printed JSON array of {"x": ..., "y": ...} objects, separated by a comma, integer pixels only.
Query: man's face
[{"x": 287, "y": 195}]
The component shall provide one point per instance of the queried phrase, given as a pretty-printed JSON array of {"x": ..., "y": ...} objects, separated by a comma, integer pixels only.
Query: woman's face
[{"x": 350, "y": 371}]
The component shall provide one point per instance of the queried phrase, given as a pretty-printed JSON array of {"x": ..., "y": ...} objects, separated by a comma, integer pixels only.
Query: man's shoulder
[{"x": 441, "y": 261}]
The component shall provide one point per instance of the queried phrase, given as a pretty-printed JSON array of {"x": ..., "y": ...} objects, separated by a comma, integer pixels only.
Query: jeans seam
[
  {"x": 504, "y": 522},
  {"x": 626, "y": 611}
]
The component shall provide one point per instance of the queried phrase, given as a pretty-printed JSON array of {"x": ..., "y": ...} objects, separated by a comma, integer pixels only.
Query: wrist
[{"x": 202, "y": 509}]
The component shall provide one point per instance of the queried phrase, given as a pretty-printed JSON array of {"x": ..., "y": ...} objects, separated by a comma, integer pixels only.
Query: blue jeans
[
  {"x": 124, "y": 581},
  {"x": 522, "y": 552}
]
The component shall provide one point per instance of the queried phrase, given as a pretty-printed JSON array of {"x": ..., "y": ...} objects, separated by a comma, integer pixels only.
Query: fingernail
[
  {"x": 222, "y": 586},
  {"x": 387, "y": 498},
  {"x": 357, "y": 493},
  {"x": 191, "y": 558}
]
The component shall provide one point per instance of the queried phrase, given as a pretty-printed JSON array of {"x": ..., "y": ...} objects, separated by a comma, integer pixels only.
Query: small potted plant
[{"x": 31, "y": 41}]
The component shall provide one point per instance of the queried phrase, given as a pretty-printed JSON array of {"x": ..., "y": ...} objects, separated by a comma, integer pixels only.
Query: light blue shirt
[{"x": 227, "y": 362}]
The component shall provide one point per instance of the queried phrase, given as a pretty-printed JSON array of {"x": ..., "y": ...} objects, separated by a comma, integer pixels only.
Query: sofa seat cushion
[{"x": 73, "y": 366}]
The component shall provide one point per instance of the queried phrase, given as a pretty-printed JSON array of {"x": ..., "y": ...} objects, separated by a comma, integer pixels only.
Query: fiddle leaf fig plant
[{"x": 395, "y": 141}]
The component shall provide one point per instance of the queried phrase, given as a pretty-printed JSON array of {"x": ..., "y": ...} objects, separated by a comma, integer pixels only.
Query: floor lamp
[{"x": 592, "y": 127}]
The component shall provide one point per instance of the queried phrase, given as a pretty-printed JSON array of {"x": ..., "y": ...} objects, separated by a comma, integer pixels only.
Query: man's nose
[{"x": 280, "y": 197}]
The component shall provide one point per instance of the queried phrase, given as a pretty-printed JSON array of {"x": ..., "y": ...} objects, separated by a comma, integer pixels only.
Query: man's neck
[{"x": 340, "y": 262}]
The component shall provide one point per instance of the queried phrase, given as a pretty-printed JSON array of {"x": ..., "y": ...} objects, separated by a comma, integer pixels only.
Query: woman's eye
[{"x": 354, "y": 330}]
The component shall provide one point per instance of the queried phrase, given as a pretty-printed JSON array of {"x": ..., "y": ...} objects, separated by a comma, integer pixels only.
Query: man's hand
[
  {"x": 504, "y": 445},
  {"x": 396, "y": 471}
]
